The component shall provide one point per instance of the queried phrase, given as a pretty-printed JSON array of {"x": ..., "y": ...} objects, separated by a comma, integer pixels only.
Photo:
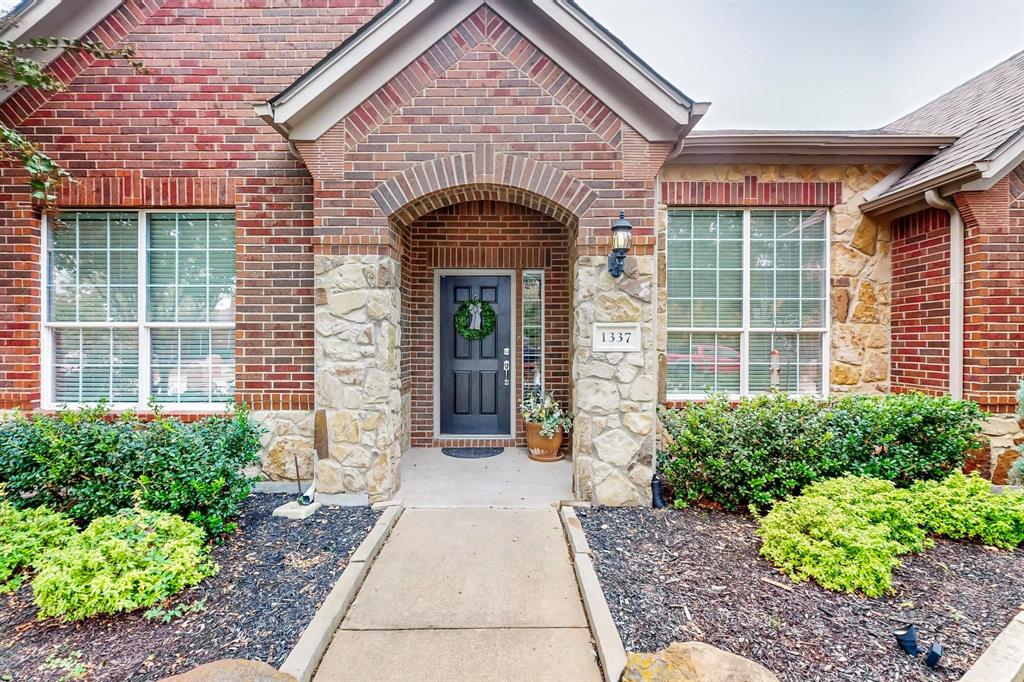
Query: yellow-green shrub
[
  {"x": 122, "y": 562},
  {"x": 846, "y": 533},
  {"x": 965, "y": 507},
  {"x": 24, "y": 534}
]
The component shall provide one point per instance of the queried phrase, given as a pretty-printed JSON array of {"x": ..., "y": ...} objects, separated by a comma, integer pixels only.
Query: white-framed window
[
  {"x": 532, "y": 331},
  {"x": 747, "y": 301},
  {"x": 139, "y": 304}
]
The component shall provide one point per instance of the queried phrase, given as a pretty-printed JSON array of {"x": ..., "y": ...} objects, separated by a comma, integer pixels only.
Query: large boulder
[
  {"x": 232, "y": 670},
  {"x": 693, "y": 662}
]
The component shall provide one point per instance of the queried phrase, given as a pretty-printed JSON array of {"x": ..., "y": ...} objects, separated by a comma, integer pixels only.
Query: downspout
[{"x": 956, "y": 291}]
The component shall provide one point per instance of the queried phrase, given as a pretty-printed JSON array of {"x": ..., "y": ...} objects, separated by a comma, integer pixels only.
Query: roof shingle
[{"x": 983, "y": 113}]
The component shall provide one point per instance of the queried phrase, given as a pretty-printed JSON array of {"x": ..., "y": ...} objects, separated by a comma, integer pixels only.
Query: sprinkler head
[{"x": 906, "y": 637}]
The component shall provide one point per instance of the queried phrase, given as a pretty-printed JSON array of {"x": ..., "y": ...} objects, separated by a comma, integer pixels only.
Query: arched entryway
[
  {"x": 503, "y": 218},
  {"x": 511, "y": 248}
]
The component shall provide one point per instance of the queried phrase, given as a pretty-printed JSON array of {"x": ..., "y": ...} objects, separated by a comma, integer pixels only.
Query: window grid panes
[
  {"x": 772, "y": 337},
  {"x": 93, "y": 268},
  {"x": 98, "y": 329},
  {"x": 532, "y": 332}
]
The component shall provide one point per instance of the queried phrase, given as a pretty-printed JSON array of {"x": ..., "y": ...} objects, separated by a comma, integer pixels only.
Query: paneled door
[{"x": 475, "y": 376}]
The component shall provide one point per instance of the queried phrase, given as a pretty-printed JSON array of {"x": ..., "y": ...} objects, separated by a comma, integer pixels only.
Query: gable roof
[
  {"x": 403, "y": 30},
  {"x": 986, "y": 114}
]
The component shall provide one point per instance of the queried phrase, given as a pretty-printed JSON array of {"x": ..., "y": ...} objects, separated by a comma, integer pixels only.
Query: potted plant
[{"x": 545, "y": 425}]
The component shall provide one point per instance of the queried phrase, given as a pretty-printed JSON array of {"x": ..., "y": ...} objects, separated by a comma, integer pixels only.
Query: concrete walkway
[
  {"x": 510, "y": 480},
  {"x": 467, "y": 595}
]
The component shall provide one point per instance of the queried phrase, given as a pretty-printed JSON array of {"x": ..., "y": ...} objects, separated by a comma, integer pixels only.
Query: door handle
[{"x": 506, "y": 366}]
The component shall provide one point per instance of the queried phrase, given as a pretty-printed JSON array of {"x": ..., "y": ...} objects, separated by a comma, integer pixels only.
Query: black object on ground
[
  {"x": 472, "y": 453},
  {"x": 906, "y": 637},
  {"x": 274, "y": 574},
  {"x": 931, "y": 659},
  {"x": 657, "y": 498}
]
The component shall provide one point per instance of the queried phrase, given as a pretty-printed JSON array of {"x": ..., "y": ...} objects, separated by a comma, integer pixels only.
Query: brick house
[{"x": 291, "y": 206}]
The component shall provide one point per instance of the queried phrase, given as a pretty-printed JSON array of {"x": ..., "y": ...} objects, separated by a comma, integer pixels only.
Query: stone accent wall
[
  {"x": 860, "y": 251},
  {"x": 614, "y": 393},
  {"x": 289, "y": 435},
  {"x": 1003, "y": 435},
  {"x": 357, "y": 372}
]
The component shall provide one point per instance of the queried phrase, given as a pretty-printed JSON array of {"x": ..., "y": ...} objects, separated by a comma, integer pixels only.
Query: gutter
[
  {"x": 956, "y": 291},
  {"x": 908, "y": 195}
]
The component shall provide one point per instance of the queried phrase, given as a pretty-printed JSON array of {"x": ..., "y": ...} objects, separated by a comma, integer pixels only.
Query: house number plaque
[{"x": 616, "y": 337}]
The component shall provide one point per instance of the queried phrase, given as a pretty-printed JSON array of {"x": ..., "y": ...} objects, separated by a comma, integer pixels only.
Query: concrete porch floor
[{"x": 510, "y": 480}]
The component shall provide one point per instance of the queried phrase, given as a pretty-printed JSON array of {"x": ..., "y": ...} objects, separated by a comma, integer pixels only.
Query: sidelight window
[{"x": 533, "y": 332}]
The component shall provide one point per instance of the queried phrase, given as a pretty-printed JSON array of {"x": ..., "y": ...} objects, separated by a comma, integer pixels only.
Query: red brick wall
[
  {"x": 482, "y": 107},
  {"x": 994, "y": 292},
  {"x": 481, "y": 234},
  {"x": 920, "y": 302},
  {"x": 185, "y": 135}
]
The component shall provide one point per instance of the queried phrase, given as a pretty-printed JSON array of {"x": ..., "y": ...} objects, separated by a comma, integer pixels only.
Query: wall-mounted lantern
[{"x": 622, "y": 239}]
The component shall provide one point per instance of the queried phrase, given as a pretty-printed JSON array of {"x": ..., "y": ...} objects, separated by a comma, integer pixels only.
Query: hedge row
[
  {"x": 765, "y": 448},
  {"x": 89, "y": 463}
]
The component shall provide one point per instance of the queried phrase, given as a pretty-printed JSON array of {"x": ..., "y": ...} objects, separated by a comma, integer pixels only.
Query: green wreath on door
[{"x": 475, "y": 319}]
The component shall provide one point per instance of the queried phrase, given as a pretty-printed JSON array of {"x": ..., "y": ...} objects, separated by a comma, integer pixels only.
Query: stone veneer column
[
  {"x": 356, "y": 354},
  {"x": 613, "y": 393}
]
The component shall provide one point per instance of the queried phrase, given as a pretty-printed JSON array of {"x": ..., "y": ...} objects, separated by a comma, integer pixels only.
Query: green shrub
[
  {"x": 758, "y": 451},
  {"x": 79, "y": 462},
  {"x": 764, "y": 448},
  {"x": 90, "y": 463},
  {"x": 964, "y": 507},
  {"x": 24, "y": 534},
  {"x": 847, "y": 533},
  {"x": 903, "y": 437},
  {"x": 196, "y": 470},
  {"x": 132, "y": 559}
]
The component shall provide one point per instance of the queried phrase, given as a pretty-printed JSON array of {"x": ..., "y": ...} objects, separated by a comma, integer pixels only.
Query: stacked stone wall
[
  {"x": 861, "y": 274},
  {"x": 356, "y": 351}
]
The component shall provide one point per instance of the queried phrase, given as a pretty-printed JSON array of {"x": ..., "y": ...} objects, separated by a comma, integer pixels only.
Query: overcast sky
[{"x": 814, "y": 64}]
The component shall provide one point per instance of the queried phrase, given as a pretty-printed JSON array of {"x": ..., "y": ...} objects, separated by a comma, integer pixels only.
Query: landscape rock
[
  {"x": 693, "y": 662},
  {"x": 232, "y": 670}
]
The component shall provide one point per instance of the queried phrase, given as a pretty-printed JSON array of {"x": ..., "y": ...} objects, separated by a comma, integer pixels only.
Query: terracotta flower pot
[{"x": 543, "y": 448}]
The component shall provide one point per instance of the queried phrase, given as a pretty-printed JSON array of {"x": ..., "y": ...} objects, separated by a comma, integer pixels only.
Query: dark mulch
[
  {"x": 274, "y": 573},
  {"x": 696, "y": 575}
]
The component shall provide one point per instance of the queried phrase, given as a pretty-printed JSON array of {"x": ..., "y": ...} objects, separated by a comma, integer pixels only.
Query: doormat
[{"x": 472, "y": 453}]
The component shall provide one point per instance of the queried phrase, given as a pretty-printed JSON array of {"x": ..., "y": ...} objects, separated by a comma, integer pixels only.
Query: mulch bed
[
  {"x": 274, "y": 573},
  {"x": 696, "y": 575}
]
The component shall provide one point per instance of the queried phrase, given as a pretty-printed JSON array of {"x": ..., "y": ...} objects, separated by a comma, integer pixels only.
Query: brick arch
[{"x": 436, "y": 183}]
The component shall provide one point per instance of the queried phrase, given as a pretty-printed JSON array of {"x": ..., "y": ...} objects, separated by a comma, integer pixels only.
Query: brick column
[
  {"x": 613, "y": 393},
  {"x": 356, "y": 352}
]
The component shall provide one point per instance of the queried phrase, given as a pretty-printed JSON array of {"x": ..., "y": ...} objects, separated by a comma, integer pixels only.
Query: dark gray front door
[{"x": 475, "y": 375}]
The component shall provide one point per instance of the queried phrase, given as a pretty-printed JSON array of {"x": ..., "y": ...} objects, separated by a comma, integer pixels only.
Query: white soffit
[
  {"x": 375, "y": 54},
  {"x": 54, "y": 19}
]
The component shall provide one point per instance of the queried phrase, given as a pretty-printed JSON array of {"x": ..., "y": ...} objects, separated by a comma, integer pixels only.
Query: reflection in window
[
  {"x": 532, "y": 332},
  {"x": 98, "y": 328},
  {"x": 746, "y": 300}
]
